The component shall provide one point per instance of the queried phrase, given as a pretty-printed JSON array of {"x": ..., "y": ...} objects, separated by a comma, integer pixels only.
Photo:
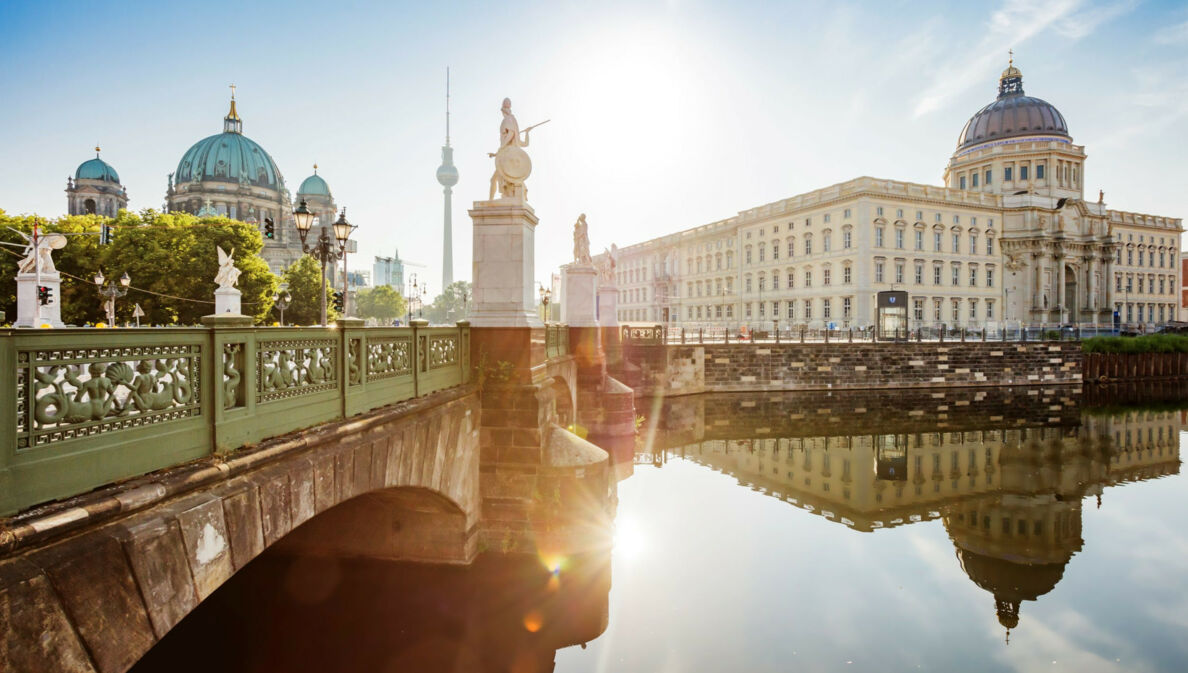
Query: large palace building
[{"x": 1009, "y": 236}]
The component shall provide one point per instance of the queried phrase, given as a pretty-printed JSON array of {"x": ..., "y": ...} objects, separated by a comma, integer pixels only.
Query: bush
[{"x": 1153, "y": 343}]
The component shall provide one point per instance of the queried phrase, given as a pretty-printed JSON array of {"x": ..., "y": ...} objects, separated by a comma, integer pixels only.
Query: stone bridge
[{"x": 143, "y": 468}]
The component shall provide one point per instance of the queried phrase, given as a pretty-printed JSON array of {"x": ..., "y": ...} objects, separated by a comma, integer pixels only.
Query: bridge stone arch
[{"x": 98, "y": 601}]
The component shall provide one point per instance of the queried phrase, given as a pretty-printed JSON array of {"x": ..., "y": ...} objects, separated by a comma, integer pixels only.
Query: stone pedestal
[
  {"x": 227, "y": 301},
  {"x": 504, "y": 259},
  {"x": 27, "y": 307},
  {"x": 579, "y": 306},
  {"x": 608, "y": 320}
]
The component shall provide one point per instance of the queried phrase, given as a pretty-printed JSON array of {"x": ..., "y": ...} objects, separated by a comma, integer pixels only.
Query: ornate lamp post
[
  {"x": 323, "y": 249},
  {"x": 414, "y": 295},
  {"x": 281, "y": 300},
  {"x": 545, "y": 295},
  {"x": 111, "y": 291}
]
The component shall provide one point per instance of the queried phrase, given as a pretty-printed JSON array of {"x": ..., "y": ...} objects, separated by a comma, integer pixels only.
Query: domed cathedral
[
  {"x": 1062, "y": 254},
  {"x": 95, "y": 189},
  {"x": 230, "y": 174}
]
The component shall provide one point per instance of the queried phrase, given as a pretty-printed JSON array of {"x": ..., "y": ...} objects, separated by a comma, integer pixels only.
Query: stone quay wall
[{"x": 691, "y": 369}]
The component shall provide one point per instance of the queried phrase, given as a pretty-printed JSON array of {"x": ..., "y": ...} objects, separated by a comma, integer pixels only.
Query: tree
[
  {"x": 170, "y": 257},
  {"x": 451, "y": 305},
  {"x": 383, "y": 303},
  {"x": 305, "y": 285}
]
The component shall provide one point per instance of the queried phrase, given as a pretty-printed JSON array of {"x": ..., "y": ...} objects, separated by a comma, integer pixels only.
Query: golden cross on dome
[
  {"x": 315, "y": 169},
  {"x": 232, "y": 92},
  {"x": 1011, "y": 62}
]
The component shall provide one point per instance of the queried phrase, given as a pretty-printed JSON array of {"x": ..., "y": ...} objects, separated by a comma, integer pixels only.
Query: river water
[{"x": 977, "y": 530}]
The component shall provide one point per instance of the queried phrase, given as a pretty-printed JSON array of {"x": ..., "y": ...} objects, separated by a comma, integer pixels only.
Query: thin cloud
[
  {"x": 1176, "y": 34},
  {"x": 1083, "y": 24}
]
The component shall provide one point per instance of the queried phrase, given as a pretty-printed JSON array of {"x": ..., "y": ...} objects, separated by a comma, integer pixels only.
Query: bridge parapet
[{"x": 83, "y": 407}]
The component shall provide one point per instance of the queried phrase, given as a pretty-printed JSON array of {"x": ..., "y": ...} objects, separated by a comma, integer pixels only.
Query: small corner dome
[
  {"x": 96, "y": 169},
  {"x": 314, "y": 185}
]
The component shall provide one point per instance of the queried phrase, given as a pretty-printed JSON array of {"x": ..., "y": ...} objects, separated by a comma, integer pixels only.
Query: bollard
[
  {"x": 701, "y": 335},
  {"x": 984, "y": 328},
  {"x": 962, "y": 335},
  {"x": 777, "y": 332},
  {"x": 802, "y": 334},
  {"x": 826, "y": 335},
  {"x": 1004, "y": 331},
  {"x": 726, "y": 335},
  {"x": 682, "y": 336},
  {"x": 851, "y": 335}
]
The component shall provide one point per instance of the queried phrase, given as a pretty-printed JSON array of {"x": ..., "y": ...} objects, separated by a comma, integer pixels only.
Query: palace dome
[
  {"x": 1011, "y": 583},
  {"x": 96, "y": 169},
  {"x": 1012, "y": 115},
  {"x": 314, "y": 185},
  {"x": 230, "y": 157}
]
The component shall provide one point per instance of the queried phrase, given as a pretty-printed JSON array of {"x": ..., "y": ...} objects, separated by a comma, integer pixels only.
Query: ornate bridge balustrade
[
  {"x": 83, "y": 407},
  {"x": 556, "y": 340}
]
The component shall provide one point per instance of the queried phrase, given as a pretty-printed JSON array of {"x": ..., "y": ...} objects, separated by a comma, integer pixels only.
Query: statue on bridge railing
[
  {"x": 581, "y": 241},
  {"x": 228, "y": 275},
  {"x": 606, "y": 265},
  {"x": 512, "y": 164}
]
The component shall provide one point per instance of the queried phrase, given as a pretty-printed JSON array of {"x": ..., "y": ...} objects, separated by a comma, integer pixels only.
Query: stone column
[
  {"x": 49, "y": 314},
  {"x": 504, "y": 259}
]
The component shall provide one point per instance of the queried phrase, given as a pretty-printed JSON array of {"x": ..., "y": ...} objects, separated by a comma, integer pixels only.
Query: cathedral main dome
[
  {"x": 231, "y": 157},
  {"x": 1012, "y": 115}
]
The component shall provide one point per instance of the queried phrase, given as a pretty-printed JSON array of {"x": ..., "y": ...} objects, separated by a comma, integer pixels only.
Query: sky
[{"x": 664, "y": 115}]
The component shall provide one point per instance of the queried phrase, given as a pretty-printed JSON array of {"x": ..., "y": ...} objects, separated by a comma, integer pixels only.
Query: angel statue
[
  {"x": 228, "y": 275},
  {"x": 581, "y": 241},
  {"x": 41, "y": 260}
]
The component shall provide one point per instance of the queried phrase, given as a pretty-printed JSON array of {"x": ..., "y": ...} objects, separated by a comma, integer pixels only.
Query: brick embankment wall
[{"x": 681, "y": 370}]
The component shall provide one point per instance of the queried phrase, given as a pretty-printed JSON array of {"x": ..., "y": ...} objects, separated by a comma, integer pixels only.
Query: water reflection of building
[{"x": 1007, "y": 484}]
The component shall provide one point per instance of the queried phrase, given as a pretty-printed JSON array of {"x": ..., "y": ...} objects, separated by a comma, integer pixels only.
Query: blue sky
[{"x": 665, "y": 115}]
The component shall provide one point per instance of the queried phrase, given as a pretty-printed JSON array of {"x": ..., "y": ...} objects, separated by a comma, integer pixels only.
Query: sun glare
[{"x": 629, "y": 538}]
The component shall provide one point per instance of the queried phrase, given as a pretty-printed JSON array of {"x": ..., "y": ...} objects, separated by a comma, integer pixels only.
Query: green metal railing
[{"x": 87, "y": 407}]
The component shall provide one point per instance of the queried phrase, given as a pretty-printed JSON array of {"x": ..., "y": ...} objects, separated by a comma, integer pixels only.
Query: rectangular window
[
  {"x": 918, "y": 309},
  {"x": 962, "y": 182},
  {"x": 919, "y": 240},
  {"x": 747, "y": 285},
  {"x": 956, "y": 242},
  {"x": 956, "y": 311},
  {"x": 828, "y": 242},
  {"x": 989, "y": 310},
  {"x": 826, "y": 277},
  {"x": 775, "y": 249},
  {"x": 729, "y": 310},
  {"x": 845, "y": 275},
  {"x": 936, "y": 310},
  {"x": 989, "y": 277},
  {"x": 827, "y": 309},
  {"x": 1023, "y": 172},
  {"x": 846, "y": 308},
  {"x": 808, "y": 246},
  {"x": 878, "y": 272},
  {"x": 791, "y": 310},
  {"x": 1039, "y": 171},
  {"x": 791, "y": 280},
  {"x": 847, "y": 213},
  {"x": 936, "y": 276},
  {"x": 762, "y": 253},
  {"x": 878, "y": 237},
  {"x": 808, "y": 309},
  {"x": 775, "y": 280},
  {"x": 975, "y": 179},
  {"x": 1006, "y": 174},
  {"x": 899, "y": 239},
  {"x": 748, "y": 309},
  {"x": 956, "y": 275},
  {"x": 762, "y": 309},
  {"x": 973, "y": 244},
  {"x": 936, "y": 242},
  {"x": 987, "y": 176},
  {"x": 973, "y": 309},
  {"x": 973, "y": 276},
  {"x": 899, "y": 272},
  {"x": 989, "y": 245},
  {"x": 827, "y": 218},
  {"x": 919, "y": 274},
  {"x": 846, "y": 239},
  {"x": 899, "y": 213},
  {"x": 808, "y": 278},
  {"x": 879, "y": 210},
  {"x": 748, "y": 255}
]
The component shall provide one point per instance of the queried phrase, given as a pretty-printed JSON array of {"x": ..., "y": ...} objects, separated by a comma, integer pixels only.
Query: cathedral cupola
[{"x": 232, "y": 123}]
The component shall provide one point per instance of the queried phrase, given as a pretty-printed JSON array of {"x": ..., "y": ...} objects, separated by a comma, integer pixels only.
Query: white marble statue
[
  {"x": 41, "y": 257},
  {"x": 607, "y": 264},
  {"x": 581, "y": 241},
  {"x": 512, "y": 165},
  {"x": 228, "y": 275}
]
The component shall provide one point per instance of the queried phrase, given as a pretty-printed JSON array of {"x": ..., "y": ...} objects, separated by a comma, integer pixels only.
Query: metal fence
[
  {"x": 556, "y": 340},
  {"x": 87, "y": 407},
  {"x": 655, "y": 334}
]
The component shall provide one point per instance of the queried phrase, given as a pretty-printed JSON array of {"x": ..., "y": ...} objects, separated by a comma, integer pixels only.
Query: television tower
[{"x": 447, "y": 176}]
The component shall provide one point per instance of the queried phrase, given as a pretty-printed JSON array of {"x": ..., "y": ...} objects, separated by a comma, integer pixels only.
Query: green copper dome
[
  {"x": 96, "y": 169},
  {"x": 229, "y": 157},
  {"x": 314, "y": 185}
]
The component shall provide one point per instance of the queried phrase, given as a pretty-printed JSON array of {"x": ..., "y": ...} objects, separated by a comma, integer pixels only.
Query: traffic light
[
  {"x": 337, "y": 301},
  {"x": 269, "y": 228},
  {"x": 45, "y": 295},
  {"x": 104, "y": 234}
]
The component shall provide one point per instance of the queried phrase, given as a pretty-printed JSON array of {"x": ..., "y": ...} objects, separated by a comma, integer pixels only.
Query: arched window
[{"x": 89, "y": 206}]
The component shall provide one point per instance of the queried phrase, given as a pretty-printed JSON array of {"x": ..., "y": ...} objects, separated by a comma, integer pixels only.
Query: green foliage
[
  {"x": 164, "y": 253},
  {"x": 383, "y": 303},
  {"x": 305, "y": 285},
  {"x": 450, "y": 306},
  {"x": 1152, "y": 343}
]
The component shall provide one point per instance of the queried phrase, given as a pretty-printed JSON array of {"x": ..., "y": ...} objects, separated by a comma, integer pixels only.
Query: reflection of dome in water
[{"x": 1010, "y": 582}]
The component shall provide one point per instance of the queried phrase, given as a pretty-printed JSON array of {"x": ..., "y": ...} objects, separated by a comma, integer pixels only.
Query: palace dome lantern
[{"x": 95, "y": 189}]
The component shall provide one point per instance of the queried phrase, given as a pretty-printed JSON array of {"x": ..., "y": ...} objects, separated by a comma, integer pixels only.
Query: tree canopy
[
  {"x": 305, "y": 284},
  {"x": 170, "y": 258},
  {"x": 382, "y": 302},
  {"x": 451, "y": 305}
]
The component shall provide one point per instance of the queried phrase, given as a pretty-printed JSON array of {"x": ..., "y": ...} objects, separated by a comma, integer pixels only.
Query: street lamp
[
  {"x": 281, "y": 300},
  {"x": 111, "y": 291},
  {"x": 545, "y": 295},
  {"x": 323, "y": 249},
  {"x": 412, "y": 295}
]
